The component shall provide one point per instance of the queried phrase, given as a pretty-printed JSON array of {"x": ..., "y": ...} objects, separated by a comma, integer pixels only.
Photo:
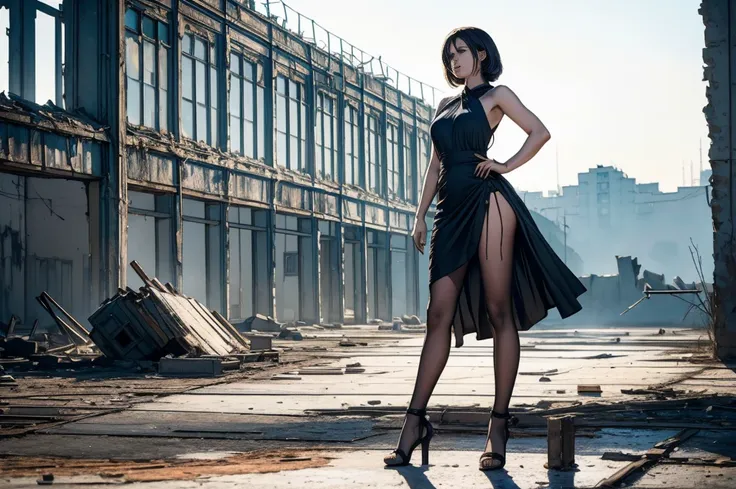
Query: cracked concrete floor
[{"x": 316, "y": 413}]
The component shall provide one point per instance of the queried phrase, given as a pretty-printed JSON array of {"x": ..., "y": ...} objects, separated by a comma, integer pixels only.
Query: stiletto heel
[
  {"x": 510, "y": 421},
  {"x": 423, "y": 440}
]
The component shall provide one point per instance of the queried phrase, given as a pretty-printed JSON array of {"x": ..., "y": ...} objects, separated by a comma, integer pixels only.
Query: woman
[{"x": 491, "y": 271}]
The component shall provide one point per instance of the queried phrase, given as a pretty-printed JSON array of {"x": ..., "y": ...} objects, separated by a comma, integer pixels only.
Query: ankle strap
[
  {"x": 417, "y": 412},
  {"x": 505, "y": 415}
]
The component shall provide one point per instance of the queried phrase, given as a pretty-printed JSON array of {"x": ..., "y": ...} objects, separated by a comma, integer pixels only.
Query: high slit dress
[{"x": 540, "y": 279}]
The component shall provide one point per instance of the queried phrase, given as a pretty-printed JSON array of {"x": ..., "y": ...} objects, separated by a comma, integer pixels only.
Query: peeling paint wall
[{"x": 719, "y": 56}]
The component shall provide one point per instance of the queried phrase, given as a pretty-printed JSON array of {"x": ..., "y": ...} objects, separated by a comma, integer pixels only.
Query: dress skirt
[{"x": 540, "y": 279}]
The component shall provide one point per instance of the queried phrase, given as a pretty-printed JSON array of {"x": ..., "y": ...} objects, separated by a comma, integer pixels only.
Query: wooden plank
[
  {"x": 568, "y": 442},
  {"x": 660, "y": 450},
  {"x": 554, "y": 443},
  {"x": 217, "y": 327},
  {"x": 205, "y": 337},
  {"x": 232, "y": 329}
]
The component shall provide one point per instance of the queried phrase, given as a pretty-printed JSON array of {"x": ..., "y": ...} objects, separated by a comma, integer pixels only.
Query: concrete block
[
  {"x": 259, "y": 341},
  {"x": 259, "y": 322},
  {"x": 190, "y": 367},
  {"x": 411, "y": 320}
]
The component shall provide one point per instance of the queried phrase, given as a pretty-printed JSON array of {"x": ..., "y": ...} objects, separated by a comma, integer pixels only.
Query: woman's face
[{"x": 461, "y": 59}]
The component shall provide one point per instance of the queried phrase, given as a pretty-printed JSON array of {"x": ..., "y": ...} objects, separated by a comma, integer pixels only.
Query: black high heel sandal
[
  {"x": 510, "y": 421},
  {"x": 424, "y": 440}
]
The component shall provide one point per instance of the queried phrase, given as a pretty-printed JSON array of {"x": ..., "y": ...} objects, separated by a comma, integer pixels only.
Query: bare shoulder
[{"x": 502, "y": 93}]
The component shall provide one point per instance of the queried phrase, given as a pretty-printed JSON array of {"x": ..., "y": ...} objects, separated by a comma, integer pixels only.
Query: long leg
[
  {"x": 496, "y": 259},
  {"x": 435, "y": 351}
]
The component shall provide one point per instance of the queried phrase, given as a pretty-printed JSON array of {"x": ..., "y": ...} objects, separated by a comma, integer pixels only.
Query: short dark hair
[{"x": 477, "y": 40}]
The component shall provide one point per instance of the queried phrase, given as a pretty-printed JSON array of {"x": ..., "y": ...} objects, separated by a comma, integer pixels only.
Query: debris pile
[
  {"x": 154, "y": 324},
  {"x": 158, "y": 321},
  {"x": 43, "y": 348}
]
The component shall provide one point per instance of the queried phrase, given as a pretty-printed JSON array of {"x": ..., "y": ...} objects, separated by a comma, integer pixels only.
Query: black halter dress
[{"x": 540, "y": 280}]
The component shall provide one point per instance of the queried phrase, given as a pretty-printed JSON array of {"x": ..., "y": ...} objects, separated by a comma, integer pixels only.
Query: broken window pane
[
  {"x": 149, "y": 63},
  {"x": 132, "y": 67},
  {"x": 45, "y": 58}
]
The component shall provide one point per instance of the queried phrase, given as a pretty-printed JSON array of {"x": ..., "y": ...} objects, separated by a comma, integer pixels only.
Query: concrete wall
[
  {"x": 12, "y": 245},
  {"x": 718, "y": 55},
  {"x": 609, "y": 295},
  {"x": 57, "y": 237}
]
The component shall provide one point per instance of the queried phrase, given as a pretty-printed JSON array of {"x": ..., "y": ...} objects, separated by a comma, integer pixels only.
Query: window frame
[
  {"x": 323, "y": 119},
  {"x": 161, "y": 87},
  {"x": 291, "y": 100},
  {"x": 211, "y": 89},
  {"x": 257, "y": 104}
]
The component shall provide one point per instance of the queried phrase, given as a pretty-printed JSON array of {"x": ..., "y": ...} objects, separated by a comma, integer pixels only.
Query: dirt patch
[{"x": 165, "y": 470}]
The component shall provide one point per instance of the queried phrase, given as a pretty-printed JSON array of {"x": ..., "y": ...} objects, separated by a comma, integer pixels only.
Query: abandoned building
[{"x": 245, "y": 163}]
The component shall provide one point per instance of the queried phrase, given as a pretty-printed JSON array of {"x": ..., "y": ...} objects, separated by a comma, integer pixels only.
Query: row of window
[{"x": 148, "y": 52}]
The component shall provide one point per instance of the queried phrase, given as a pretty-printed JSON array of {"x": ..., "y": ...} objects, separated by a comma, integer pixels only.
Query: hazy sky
[{"x": 616, "y": 82}]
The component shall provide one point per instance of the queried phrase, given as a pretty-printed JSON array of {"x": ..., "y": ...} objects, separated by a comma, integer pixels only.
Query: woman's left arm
[{"x": 538, "y": 134}]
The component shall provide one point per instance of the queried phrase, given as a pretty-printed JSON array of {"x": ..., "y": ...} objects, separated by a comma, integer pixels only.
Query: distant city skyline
[{"x": 617, "y": 83}]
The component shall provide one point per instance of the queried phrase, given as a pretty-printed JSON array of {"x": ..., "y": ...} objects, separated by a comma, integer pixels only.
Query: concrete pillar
[{"x": 720, "y": 71}]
